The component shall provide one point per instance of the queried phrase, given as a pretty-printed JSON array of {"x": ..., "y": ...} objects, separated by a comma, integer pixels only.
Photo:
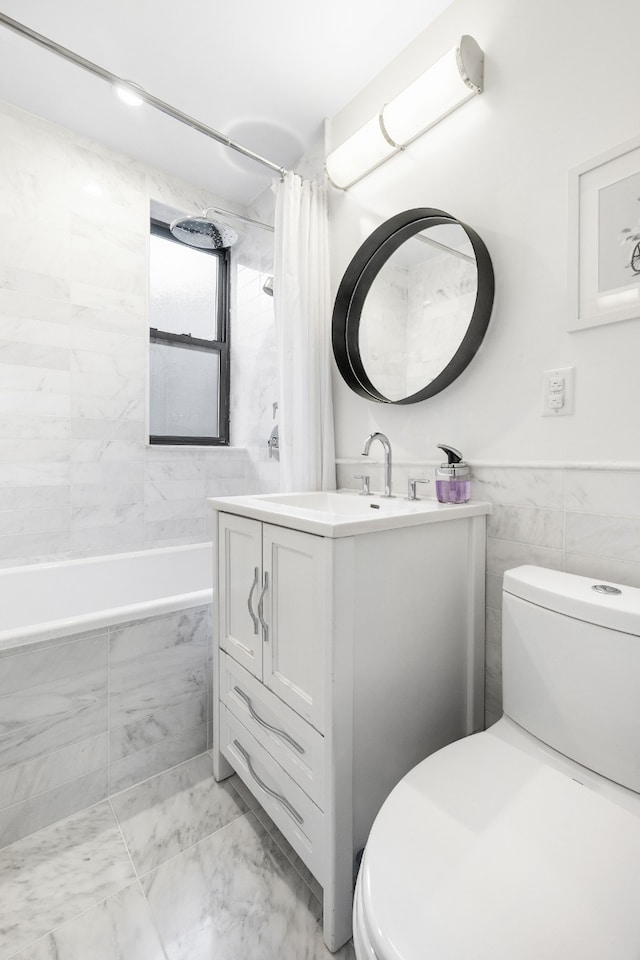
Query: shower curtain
[{"x": 303, "y": 316}]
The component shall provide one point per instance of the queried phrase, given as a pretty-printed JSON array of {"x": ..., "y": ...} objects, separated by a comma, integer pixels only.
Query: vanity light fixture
[{"x": 445, "y": 86}]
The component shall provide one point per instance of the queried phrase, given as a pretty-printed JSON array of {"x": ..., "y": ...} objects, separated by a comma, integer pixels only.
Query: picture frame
[{"x": 604, "y": 238}]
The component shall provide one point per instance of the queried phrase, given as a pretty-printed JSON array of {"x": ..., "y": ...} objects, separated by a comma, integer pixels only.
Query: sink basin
[{"x": 343, "y": 513}]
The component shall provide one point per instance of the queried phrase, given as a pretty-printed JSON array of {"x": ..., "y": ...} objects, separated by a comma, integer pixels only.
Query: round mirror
[{"x": 412, "y": 307}]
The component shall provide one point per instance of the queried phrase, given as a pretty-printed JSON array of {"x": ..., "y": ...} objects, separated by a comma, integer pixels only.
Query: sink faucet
[{"x": 386, "y": 446}]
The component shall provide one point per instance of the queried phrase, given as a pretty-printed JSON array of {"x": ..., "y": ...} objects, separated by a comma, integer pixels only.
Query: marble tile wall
[
  {"x": 87, "y": 716},
  {"x": 77, "y": 477},
  {"x": 254, "y": 362},
  {"x": 581, "y": 520}
]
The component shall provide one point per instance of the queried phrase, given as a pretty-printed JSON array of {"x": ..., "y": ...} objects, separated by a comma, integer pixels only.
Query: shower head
[
  {"x": 203, "y": 233},
  {"x": 268, "y": 286}
]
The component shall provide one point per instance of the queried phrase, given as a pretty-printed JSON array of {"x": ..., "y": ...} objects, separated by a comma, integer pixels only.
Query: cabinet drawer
[
  {"x": 289, "y": 807},
  {"x": 293, "y": 743}
]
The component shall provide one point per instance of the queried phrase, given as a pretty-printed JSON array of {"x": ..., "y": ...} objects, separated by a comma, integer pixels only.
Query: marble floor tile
[
  {"x": 50, "y": 877},
  {"x": 169, "y": 813},
  {"x": 120, "y": 927},
  {"x": 235, "y": 895},
  {"x": 276, "y": 835}
]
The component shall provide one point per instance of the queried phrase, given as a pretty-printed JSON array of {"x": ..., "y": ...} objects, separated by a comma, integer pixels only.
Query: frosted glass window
[
  {"x": 188, "y": 349},
  {"x": 183, "y": 289},
  {"x": 184, "y": 391}
]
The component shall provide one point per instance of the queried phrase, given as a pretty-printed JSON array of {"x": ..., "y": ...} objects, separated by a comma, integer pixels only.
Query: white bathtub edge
[{"x": 13, "y": 640}]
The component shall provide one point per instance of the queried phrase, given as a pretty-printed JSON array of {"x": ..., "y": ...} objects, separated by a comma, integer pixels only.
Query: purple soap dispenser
[{"x": 453, "y": 478}]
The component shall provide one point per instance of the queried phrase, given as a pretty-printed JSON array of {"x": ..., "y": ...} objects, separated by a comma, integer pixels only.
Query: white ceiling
[{"x": 264, "y": 74}]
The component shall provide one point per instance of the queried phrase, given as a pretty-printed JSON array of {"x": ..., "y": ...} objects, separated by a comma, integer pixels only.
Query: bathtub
[
  {"x": 105, "y": 678},
  {"x": 49, "y": 600}
]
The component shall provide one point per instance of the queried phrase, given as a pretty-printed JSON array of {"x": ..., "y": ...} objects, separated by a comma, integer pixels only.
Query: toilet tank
[{"x": 571, "y": 667}]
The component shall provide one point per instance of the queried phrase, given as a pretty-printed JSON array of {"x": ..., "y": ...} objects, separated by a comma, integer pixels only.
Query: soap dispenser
[{"x": 453, "y": 478}]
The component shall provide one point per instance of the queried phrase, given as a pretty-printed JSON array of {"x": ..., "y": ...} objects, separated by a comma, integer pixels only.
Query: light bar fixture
[{"x": 452, "y": 80}]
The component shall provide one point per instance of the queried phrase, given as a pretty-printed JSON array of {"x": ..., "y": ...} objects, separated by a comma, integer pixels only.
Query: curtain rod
[{"x": 148, "y": 98}]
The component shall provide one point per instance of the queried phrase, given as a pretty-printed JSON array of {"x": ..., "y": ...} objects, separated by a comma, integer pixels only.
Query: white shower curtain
[{"x": 303, "y": 323}]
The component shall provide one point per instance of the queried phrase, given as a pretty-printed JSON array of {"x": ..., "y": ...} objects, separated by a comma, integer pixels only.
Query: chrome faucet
[{"x": 386, "y": 446}]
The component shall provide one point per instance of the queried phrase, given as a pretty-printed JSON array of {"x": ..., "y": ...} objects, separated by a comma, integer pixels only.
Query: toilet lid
[{"x": 486, "y": 850}]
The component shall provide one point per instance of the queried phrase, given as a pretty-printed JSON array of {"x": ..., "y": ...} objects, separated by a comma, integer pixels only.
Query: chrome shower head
[
  {"x": 268, "y": 286},
  {"x": 203, "y": 233}
]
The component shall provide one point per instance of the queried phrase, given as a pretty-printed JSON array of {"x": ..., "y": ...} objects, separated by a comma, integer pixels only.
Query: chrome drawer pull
[
  {"x": 265, "y": 625},
  {"x": 254, "y": 585},
  {"x": 267, "y": 726},
  {"x": 272, "y": 793}
]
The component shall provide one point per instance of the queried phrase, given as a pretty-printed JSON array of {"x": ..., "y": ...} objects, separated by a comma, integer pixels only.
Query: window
[{"x": 189, "y": 350}]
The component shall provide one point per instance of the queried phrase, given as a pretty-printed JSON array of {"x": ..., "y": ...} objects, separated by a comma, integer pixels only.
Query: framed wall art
[{"x": 604, "y": 238}]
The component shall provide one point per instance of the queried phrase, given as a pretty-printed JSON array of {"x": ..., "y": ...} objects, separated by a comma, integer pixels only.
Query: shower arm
[
  {"x": 148, "y": 98},
  {"x": 238, "y": 216}
]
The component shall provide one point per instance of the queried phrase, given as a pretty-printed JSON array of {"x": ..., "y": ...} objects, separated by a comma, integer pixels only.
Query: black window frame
[{"x": 221, "y": 347}]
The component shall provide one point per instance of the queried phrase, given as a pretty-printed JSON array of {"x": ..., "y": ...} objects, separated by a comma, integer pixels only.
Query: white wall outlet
[{"x": 558, "y": 392}]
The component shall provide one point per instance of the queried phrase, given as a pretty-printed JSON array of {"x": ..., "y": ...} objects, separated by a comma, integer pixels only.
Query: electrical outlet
[{"x": 558, "y": 392}]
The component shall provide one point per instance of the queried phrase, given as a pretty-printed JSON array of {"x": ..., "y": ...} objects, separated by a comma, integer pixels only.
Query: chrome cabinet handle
[
  {"x": 272, "y": 793},
  {"x": 254, "y": 586},
  {"x": 265, "y": 625},
  {"x": 267, "y": 726}
]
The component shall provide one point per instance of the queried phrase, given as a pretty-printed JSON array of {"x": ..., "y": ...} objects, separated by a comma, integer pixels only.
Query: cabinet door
[
  {"x": 295, "y": 610},
  {"x": 240, "y": 565}
]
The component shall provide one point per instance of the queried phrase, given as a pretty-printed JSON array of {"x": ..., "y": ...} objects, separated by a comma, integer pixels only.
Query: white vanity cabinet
[
  {"x": 346, "y": 653},
  {"x": 273, "y": 607}
]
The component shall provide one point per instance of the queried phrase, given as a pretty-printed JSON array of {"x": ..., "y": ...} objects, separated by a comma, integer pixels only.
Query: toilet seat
[{"x": 498, "y": 847}]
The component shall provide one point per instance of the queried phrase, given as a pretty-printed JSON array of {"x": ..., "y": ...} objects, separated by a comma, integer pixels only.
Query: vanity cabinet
[
  {"x": 273, "y": 608},
  {"x": 342, "y": 660}
]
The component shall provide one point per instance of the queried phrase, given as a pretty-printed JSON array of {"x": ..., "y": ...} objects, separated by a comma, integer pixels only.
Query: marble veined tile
[
  {"x": 139, "y": 766},
  {"x": 163, "y": 724},
  {"x": 169, "y": 813},
  {"x": 44, "y": 773},
  {"x": 612, "y": 492},
  {"x": 235, "y": 895},
  {"x": 504, "y": 554},
  {"x": 120, "y": 927},
  {"x": 138, "y": 639},
  {"x": 34, "y": 355},
  {"x": 171, "y": 529},
  {"x": 35, "y": 498},
  {"x": 37, "y": 812},
  {"x": 33, "y": 521},
  {"x": 174, "y": 471},
  {"x": 47, "y": 666},
  {"x": 45, "y": 737},
  {"x": 617, "y": 538},
  {"x": 520, "y": 486},
  {"x": 604, "y": 569},
  {"x": 544, "y": 528},
  {"x": 50, "y": 877}
]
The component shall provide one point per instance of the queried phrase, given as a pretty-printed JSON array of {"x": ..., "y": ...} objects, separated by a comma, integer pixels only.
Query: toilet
[{"x": 523, "y": 842}]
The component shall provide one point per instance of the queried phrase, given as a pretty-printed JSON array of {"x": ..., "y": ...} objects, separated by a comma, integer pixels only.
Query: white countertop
[{"x": 345, "y": 513}]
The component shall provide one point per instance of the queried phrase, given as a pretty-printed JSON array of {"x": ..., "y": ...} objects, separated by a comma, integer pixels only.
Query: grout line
[
  {"x": 287, "y": 853},
  {"x": 564, "y": 521},
  {"x": 109, "y": 629},
  {"x": 139, "y": 783},
  {"x": 151, "y": 918},
  {"x": 72, "y": 919},
  {"x": 122, "y": 836},
  {"x": 196, "y": 843},
  {"x": 64, "y": 783}
]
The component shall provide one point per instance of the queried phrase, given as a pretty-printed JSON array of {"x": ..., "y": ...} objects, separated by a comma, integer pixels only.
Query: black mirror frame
[{"x": 356, "y": 283}]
